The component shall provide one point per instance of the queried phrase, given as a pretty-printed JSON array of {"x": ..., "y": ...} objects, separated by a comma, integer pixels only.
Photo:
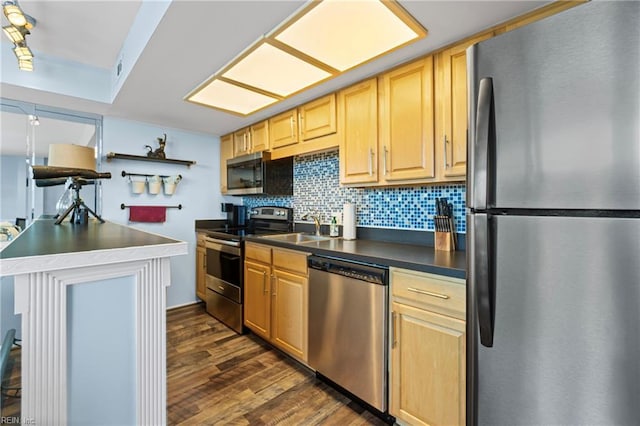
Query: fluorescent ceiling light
[
  {"x": 352, "y": 32},
  {"x": 274, "y": 70},
  {"x": 222, "y": 95},
  {"x": 25, "y": 64},
  {"x": 23, "y": 52},
  {"x": 14, "y": 34},
  {"x": 14, "y": 14},
  {"x": 320, "y": 41}
]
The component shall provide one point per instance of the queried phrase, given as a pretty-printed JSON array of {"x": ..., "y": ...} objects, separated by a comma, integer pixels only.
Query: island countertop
[{"x": 46, "y": 246}]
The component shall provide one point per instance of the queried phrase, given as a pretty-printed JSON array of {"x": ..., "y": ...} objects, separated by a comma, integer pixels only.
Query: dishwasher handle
[{"x": 355, "y": 270}]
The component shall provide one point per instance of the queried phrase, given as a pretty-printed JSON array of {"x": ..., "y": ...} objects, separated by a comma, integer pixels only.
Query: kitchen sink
[{"x": 296, "y": 238}]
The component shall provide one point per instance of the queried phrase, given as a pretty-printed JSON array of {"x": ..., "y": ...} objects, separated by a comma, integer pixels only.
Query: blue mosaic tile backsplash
[{"x": 316, "y": 187}]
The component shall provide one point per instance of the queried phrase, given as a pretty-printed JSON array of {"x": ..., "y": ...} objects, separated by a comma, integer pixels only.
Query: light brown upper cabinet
[
  {"x": 226, "y": 152},
  {"x": 284, "y": 129},
  {"x": 317, "y": 118},
  {"x": 358, "y": 123},
  {"x": 406, "y": 123},
  {"x": 254, "y": 138},
  {"x": 451, "y": 145},
  {"x": 307, "y": 122},
  {"x": 242, "y": 142},
  {"x": 260, "y": 136}
]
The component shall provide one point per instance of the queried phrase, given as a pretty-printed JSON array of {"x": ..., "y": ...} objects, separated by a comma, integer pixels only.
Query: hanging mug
[{"x": 154, "y": 184}]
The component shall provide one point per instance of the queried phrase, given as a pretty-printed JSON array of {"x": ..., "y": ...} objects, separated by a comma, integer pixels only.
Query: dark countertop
[
  {"x": 408, "y": 256},
  {"x": 43, "y": 237}
]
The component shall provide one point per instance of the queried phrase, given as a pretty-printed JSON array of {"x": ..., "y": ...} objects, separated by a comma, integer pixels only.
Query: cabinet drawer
[
  {"x": 257, "y": 252},
  {"x": 436, "y": 293},
  {"x": 290, "y": 260}
]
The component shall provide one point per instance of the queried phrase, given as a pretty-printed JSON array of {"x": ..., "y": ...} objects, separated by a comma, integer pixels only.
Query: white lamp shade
[{"x": 73, "y": 156}]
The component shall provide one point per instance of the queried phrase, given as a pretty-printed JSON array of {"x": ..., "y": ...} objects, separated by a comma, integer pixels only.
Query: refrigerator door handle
[
  {"x": 484, "y": 139},
  {"x": 483, "y": 276}
]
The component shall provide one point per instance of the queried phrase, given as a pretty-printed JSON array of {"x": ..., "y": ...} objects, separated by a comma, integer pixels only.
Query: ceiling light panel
[
  {"x": 344, "y": 34},
  {"x": 14, "y": 14},
  {"x": 229, "y": 97},
  {"x": 25, "y": 64},
  {"x": 13, "y": 33},
  {"x": 275, "y": 71},
  {"x": 23, "y": 53}
]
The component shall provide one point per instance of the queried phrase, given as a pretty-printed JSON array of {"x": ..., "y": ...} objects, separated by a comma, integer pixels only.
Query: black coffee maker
[{"x": 236, "y": 215}]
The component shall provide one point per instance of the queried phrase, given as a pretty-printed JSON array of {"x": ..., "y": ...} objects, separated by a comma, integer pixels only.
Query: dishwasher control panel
[{"x": 358, "y": 271}]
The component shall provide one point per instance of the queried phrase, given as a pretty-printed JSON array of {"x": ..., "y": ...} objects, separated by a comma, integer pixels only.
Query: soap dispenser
[{"x": 333, "y": 227}]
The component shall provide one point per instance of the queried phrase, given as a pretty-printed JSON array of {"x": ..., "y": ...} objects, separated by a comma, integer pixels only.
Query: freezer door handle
[
  {"x": 484, "y": 139},
  {"x": 483, "y": 277}
]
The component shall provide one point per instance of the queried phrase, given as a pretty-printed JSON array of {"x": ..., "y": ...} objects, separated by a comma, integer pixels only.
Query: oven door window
[{"x": 224, "y": 265}]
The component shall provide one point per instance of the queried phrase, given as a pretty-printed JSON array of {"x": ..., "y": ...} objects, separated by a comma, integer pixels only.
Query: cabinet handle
[
  {"x": 273, "y": 277},
  {"x": 444, "y": 140},
  {"x": 428, "y": 293},
  {"x": 384, "y": 161},
  {"x": 221, "y": 288},
  {"x": 371, "y": 161},
  {"x": 394, "y": 341},
  {"x": 264, "y": 282},
  {"x": 300, "y": 125},
  {"x": 291, "y": 121},
  {"x": 244, "y": 141}
]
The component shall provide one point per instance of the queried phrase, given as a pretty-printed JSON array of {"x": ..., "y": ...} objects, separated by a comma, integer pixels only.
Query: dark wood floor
[{"x": 215, "y": 376}]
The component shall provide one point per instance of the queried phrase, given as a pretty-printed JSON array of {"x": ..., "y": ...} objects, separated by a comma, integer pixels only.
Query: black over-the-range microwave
[{"x": 258, "y": 174}]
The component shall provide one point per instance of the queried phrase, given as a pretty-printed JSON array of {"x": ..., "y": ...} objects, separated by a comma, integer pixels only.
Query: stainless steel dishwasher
[{"x": 348, "y": 305}]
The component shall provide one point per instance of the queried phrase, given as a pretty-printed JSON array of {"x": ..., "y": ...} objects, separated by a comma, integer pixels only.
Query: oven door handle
[{"x": 215, "y": 242}]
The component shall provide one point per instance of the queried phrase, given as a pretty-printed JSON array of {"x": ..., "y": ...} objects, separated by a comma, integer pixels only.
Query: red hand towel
[{"x": 147, "y": 213}]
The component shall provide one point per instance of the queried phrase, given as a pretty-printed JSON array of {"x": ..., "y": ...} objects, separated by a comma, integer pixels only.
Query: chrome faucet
[{"x": 316, "y": 220}]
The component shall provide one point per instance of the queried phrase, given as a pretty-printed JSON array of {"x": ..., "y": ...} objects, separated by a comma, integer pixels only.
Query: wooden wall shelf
[{"x": 112, "y": 155}]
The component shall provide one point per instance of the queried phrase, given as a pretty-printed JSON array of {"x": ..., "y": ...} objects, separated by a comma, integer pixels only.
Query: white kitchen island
[{"x": 93, "y": 305}]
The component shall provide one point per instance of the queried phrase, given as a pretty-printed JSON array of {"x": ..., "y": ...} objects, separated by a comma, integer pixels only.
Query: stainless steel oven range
[{"x": 225, "y": 265}]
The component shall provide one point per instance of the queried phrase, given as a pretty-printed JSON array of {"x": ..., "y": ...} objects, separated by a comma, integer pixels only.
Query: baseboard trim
[{"x": 195, "y": 302}]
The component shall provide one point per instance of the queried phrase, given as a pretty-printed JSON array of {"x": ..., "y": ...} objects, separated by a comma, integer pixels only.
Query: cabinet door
[
  {"x": 358, "y": 122},
  {"x": 289, "y": 326},
  {"x": 241, "y": 142},
  {"x": 283, "y": 129},
  {"x": 257, "y": 298},
  {"x": 226, "y": 152},
  {"x": 406, "y": 139},
  {"x": 453, "y": 66},
  {"x": 427, "y": 367},
  {"x": 260, "y": 136},
  {"x": 201, "y": 271},
  {"x": 317, "y": 118}
]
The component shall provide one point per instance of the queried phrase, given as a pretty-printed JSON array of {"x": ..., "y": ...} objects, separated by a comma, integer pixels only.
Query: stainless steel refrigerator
[{"x": 553, "y": 243}]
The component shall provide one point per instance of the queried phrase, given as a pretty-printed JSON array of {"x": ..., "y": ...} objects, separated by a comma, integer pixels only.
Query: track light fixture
[{"x": 20, "y": 24}]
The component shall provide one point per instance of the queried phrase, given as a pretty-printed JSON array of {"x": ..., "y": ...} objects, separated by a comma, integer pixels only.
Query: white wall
[{"x": 198, "y": 192}]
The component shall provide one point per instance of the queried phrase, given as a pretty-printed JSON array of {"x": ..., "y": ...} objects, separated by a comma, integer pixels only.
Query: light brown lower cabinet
[
  {"x": 276, "y": 286},
  {"x": 428, "y": 349},
  {"x": 201, "y": 267}
]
